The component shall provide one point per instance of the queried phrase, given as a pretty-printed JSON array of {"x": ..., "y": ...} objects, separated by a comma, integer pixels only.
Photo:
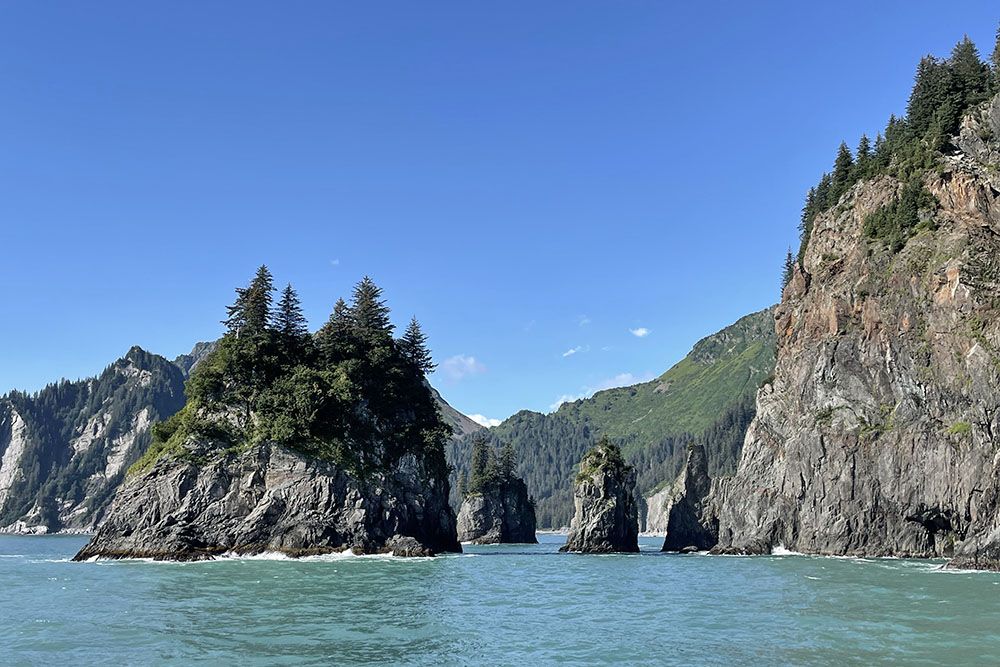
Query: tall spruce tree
[
  {"x": 481, "y": 460},
  {"x": 970, "y": 76},
  {"x": 863, "y": 158},
  {"x": 789, "y": 269},
  {"x": 250, "y": 314},
  {"x": 843, "y": 168},
  {"x": 335, "y": 338},
  {"x": 369, "y": 314},
  {"x": 288, "y": 319},
  {"x": 413, "y": 345},
  {"x": 507, "y": 462}
]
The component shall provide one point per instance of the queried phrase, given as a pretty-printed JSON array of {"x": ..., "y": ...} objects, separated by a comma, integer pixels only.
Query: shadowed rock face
[
  {"x": 269, "y": 498},
  {"x": 606, "y": 518},
  {"x": 501, "y": 515},
  {"x": 879, "y": 433},
  {"x": 690, "y": 521}
]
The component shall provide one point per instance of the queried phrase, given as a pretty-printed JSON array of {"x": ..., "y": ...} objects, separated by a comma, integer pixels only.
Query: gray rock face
[
  {"x": 606, "y": 518},
  {"x": 879, "y": 433},
  {"x": 502, "y": 515},
  {"x": 269, "y": 498},
  {"x": 690, "y": 520}
]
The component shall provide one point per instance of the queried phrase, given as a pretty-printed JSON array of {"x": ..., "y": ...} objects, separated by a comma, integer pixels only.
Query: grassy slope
[{"x": 690, "y": 396}]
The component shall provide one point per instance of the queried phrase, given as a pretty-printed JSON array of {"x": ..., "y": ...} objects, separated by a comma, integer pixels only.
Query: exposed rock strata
[
  {"x": 879, "y": 434},
  {"x": 606, "y": 517},
  {"x": 499, "y": 515},
  {"x": 269, "y": 498}
]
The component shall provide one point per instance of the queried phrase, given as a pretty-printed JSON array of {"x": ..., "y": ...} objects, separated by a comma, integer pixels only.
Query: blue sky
[{"x": 537, "y": 182}]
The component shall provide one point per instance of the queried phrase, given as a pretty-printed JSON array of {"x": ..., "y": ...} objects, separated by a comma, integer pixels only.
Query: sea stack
[
  {"x": 496, "y": 508},
  {"x": 606, "y": 518},
  {"x": 690, "y": 525},
  {"x": 293, "y": 442}
]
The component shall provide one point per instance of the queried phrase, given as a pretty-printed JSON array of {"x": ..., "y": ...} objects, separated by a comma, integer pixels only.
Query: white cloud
[
  {"x": 335, "y": 262},
  {"x": 583, "y": 320},
  {"x": 461, "y": 366},
  {"x": 620, "y": 380},
  {"x": 482, "y": 420},
  {"x": 573, "y": 350},
  {"x": 641, "y": 332}
]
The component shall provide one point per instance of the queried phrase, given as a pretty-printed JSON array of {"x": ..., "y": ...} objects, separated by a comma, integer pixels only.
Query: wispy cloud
[
  {"x": 335, "y": 262},
  {"x": 583, "y": 320},
  {"x": 461, "y": 366},
  {"x": 641, "y": 332},
  {"x": 482, "y": 420},
  {"x": 573, "y": 350},
  {"x": 620, "y": 380},
  {"x": 528, "y": 326}
]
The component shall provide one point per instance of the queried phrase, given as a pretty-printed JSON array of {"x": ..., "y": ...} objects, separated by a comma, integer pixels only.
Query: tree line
[
  {"x": 944, "y": 90},
  {"x": 351, "y": 392}
]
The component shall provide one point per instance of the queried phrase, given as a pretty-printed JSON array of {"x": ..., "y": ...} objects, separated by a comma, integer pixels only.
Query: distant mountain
[
  {"x": 460, "y": 424},
  {"x": 65, "y": 449},
  {"x": 706, "y": 397}
]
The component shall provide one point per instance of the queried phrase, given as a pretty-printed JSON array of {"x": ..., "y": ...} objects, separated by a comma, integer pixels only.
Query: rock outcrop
[
  {"x": 503, "y": 514},
  {"x": 683, "y": 508},
  {"x": 606, "y": 518},
  {"x": 879, "y": 433},
  {"x": 269, "y": 498}
]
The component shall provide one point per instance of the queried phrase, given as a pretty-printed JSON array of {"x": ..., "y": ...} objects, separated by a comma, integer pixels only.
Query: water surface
[{"x": 492, "y": 605}]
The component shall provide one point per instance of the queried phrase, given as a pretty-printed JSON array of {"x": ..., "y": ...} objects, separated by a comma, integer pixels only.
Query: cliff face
[
  {"x": 879, "y": 433},
  {"x": 64, "y": 450},
  {"x": 269, "y": 498},
  {"x": 501, "y": 515},
  {"x": 606, "y": 518}
]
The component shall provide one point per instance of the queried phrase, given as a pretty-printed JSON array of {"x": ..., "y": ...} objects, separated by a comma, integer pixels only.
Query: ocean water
[{"x": 507, "y": 605}]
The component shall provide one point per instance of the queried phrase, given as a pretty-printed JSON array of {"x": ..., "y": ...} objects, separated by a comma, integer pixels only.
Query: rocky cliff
[
  {"x": 269, "y": 498},
  {"x": 879, "y": 433},
  {"x": 65, "y": 449},
  {"x": 682, "y": 511},
  {"x": 502, "y": 514},
  {"x": 606, "y": 518}
]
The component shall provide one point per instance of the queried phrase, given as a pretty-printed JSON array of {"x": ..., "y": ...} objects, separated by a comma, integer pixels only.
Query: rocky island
[
  {"x": 293, "y": 442},
  {"x": 496, "y": 507},
  {"x": 606, "y": 518}
]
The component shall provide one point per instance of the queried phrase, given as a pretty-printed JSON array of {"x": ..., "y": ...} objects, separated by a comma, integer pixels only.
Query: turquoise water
[{"x": 492, "y": 605}]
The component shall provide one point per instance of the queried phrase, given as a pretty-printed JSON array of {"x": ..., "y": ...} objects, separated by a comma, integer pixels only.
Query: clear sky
[{"x": 537, "y": 182}]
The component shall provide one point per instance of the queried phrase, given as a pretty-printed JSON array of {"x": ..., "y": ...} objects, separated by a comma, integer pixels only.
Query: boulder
[{"x": 501, "y": 514}]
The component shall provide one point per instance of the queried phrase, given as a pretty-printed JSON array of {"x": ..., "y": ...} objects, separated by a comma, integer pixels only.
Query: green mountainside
[
  {"x": 66, "y": 448},
  {"x": 707, "y": 397}
]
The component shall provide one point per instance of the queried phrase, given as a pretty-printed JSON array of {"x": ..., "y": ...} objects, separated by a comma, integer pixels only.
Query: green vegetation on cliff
[
  {"x": 943, "y": 90},
  {"x": 351, "y": 393}
]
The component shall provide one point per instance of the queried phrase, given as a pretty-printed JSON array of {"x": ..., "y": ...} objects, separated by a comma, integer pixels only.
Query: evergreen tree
[
  {"x": 289, "y": 320},
  {"x": 507, "y": 462},
  {"x": 970, "y": 75},
  {"x": 369, "y": 314},
  {"x": 843, "y": 168},
  {"x": 931, "y": 92},
  {"x": 251, "y": 313},
  {"x": 413, "y": 345},
  {"x": 480, "y": 464},
  {"x": 335, "y": 338},
  {"x": 789, "y": 269},
  {"x": 862, "y": 162}
]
